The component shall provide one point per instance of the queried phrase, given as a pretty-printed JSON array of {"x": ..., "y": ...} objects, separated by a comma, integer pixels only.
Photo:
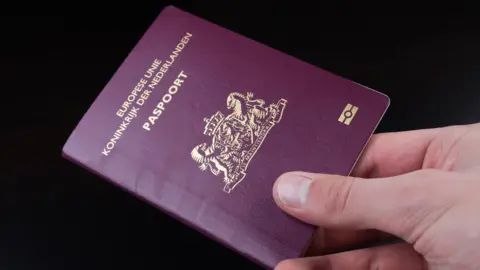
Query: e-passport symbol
[
  {"x": 236, "y": 137},
  {"x": 348, "y": 114}
]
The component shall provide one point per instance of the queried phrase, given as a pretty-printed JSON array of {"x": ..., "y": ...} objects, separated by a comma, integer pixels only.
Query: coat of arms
[{"x": 236, "y": 137}]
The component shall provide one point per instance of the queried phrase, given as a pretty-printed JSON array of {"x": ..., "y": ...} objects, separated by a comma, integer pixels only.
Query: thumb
[{"x": 404, "y": 205}]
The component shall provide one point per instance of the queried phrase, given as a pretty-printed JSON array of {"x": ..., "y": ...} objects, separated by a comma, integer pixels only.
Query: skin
[{"x": 422, "y": 187}]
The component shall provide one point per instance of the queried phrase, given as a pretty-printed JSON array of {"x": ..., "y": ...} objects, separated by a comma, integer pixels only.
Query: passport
[{"x": 199, "y": 121}]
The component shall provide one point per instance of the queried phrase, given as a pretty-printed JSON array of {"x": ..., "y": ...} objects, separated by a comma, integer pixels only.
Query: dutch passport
[{"x": 199, "y": 122}]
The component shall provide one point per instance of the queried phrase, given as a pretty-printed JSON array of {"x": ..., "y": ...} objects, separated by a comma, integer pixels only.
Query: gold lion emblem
[{"x": 236, "y": 137}]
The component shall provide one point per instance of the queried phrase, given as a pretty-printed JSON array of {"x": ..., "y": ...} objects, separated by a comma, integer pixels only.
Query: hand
[{"x": 423, "y": 187}]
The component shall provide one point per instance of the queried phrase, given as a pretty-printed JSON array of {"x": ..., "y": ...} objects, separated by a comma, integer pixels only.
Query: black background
[{"x": 55, "y": 215}]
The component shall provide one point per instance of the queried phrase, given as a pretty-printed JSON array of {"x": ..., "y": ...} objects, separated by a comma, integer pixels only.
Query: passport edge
[{"x": 385, "y": 109}]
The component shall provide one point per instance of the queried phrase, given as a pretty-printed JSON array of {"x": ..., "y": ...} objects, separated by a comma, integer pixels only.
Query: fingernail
[{"x": 292, "y": 189}]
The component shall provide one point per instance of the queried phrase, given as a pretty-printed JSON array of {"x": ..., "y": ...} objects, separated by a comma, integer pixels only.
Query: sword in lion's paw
[{"x": 280, "y": 108}]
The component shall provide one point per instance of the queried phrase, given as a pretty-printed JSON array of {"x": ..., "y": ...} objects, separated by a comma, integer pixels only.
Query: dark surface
[{"x": 56, "y": 215}]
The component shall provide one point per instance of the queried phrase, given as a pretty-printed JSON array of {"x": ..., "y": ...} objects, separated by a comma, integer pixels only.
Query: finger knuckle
[
  {"x": 383, "y": 264},
  {"x": 337, "y": 196},
  {"x": 395, "y": 257},
  {"x": 288, "y": 264}
]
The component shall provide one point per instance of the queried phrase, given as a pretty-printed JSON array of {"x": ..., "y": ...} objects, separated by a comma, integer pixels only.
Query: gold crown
[{"x": 213, "y": 123}]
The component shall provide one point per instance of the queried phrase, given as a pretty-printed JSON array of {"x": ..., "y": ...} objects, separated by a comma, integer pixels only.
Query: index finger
[{"x": 395, "y": 153}]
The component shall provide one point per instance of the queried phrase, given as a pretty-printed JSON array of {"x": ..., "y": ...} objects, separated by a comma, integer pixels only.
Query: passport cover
[{"x": 199, "y": 121}]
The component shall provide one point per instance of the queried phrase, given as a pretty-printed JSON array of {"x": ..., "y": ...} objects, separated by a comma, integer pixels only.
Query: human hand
[{"x": 421, "y": 186}]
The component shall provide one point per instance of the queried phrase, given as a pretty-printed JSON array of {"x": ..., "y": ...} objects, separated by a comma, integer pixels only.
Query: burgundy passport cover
[{"x": 200, "y": 121}]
